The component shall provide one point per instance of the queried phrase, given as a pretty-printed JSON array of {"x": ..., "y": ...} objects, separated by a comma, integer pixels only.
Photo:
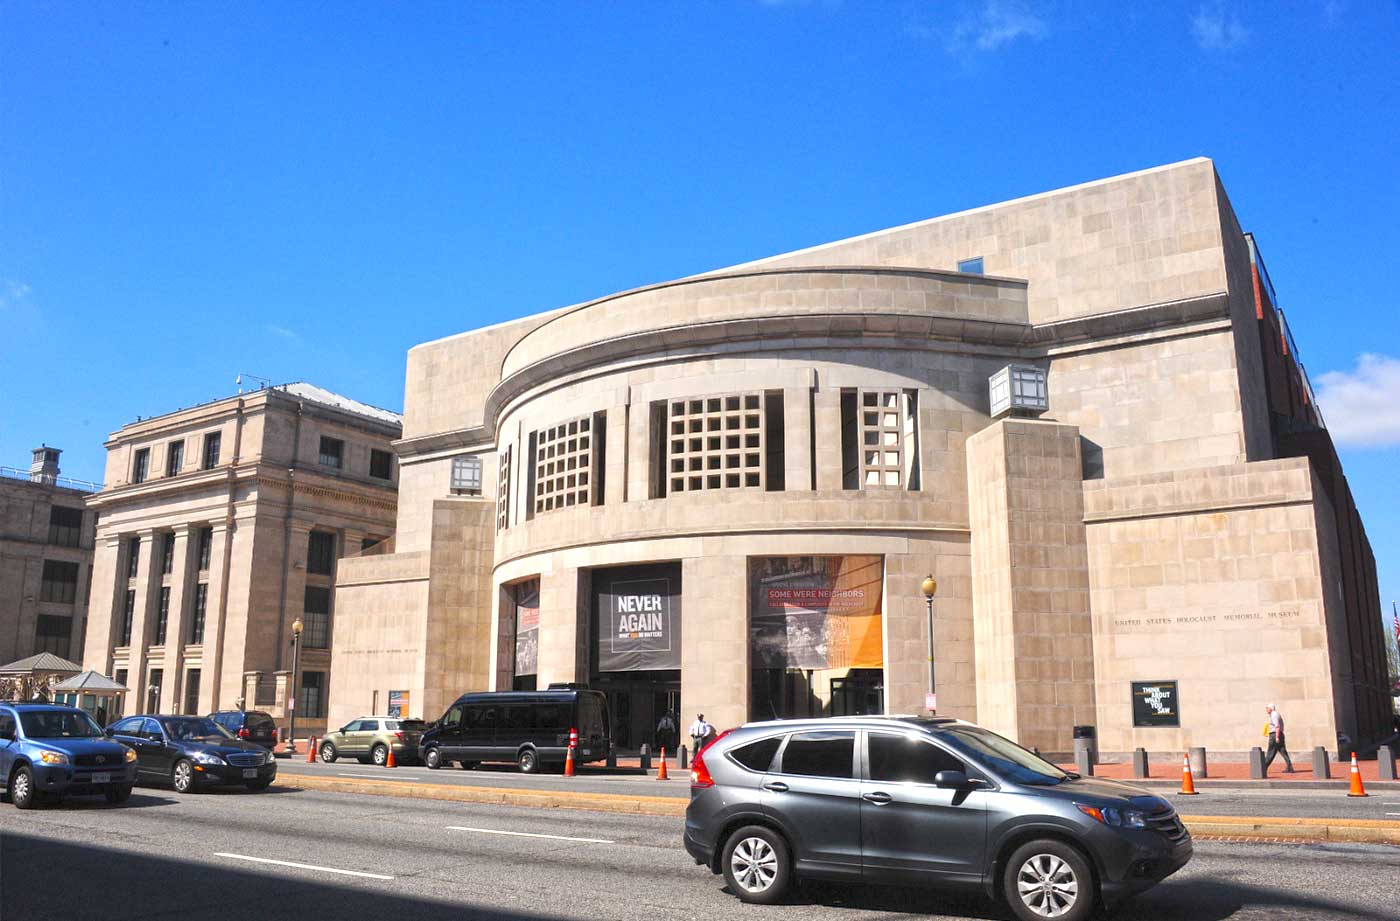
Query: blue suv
[{"x": 48, "y": 751}]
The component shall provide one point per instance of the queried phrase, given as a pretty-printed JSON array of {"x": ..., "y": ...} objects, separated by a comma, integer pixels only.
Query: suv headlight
[
  {"x": 49, "y": 757},
  {"x": 1118, "y": 818},
  {"x": 130, "y": 755},
  {"x": 207, "y": 758}
]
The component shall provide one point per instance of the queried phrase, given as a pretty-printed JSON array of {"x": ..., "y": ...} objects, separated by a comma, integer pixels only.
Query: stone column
[
  {"x": 213, "y": 695},
  {"x": 715, "y": 649},
  {"x": 104, "y": 605},
  {"x": 797, "y": 443},
  {"x": 563, "y": 628},
  {"x": 172, "y": 694},
  {"x": 1031, "y": 622},
  {"x": 827, "y": 419},
  {"x": 147, "y": 586},
  {"x": 298, "y": 541},
  {"x": 617, "y": 458},
  {"x": 638, "y": 440}
]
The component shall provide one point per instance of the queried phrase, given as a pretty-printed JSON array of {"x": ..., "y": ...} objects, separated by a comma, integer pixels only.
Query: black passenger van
[{"x": 530, "y": 728}]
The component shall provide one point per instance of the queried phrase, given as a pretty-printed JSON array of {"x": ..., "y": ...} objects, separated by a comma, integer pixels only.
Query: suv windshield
[
  {"x": 193, "y": 727},
  {"x": 1004, "y": 756},
  {"x": 59, "y": 724}
]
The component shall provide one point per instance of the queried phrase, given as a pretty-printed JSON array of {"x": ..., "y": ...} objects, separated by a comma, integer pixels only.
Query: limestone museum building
[{"x": 1082, "y": 412}]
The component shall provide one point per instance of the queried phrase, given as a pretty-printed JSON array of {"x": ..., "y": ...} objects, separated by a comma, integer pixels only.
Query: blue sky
[{"x": 190, "y": 191}]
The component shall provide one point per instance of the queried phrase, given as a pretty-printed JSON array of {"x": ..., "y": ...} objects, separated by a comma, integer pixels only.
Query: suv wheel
[
  {"x": 756, "y": 865},
  {"x": 379, "y": 755},
  {"x": 328, "y": 752},
  {"x": 22, "y": 792},
  {"x": 182, "y": 777},
  {"x": 1048, "y": 879},
  {"x": 433, "y": 759},
  {"x": 529, "y": 761},
  {"x": 117, "y": 793}
]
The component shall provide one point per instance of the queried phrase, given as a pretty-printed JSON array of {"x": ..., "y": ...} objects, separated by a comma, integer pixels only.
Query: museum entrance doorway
[{"x": 636, "y": 651}]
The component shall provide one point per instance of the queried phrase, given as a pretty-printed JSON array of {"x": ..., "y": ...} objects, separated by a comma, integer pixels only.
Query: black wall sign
[
  {"x": 638, "y": 618},
  {"x": 1155, "y": 703}
]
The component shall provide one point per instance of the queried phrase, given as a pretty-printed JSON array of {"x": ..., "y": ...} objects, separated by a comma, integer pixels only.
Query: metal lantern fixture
[
  {"x": 296, "y": 669},
  {"x": 930, "y": 588}
]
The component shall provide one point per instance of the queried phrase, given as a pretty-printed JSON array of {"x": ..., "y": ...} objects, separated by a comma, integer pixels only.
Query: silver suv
[{"x": 924, "y": 801}]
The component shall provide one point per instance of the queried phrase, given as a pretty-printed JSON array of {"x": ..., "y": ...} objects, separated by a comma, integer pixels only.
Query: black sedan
[{"x": 192, "y": 752}]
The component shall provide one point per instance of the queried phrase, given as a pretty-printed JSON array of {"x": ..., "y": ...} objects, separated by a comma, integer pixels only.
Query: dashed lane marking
[
  {"x": 302, "y": 866},
  {"x": 526, "y": 834}
]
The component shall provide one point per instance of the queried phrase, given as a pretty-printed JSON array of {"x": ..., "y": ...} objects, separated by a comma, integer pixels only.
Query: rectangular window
[
  {"x": 657, "y": 477},
  {"x": 52, "y": 633},
  {"x": 971, "y": 266},
  {"x": 59, "y": 582},
  {"x": 192, "y": 691},
  {"x": 174, "y": 458},
  {"x": 316, "y": 617},
  {"x": 128, "y": 616},
  {"x": 820, "y": 754},
  {"x": 466, "y": 476},
  {"x": 564, "y": 465},
  {"x": 142, "y": 466},
  {"x": 381, "y": 464},
  {"x": 153, "y": 692},
  {"x": 716, "y": 443},
  {"x": 133, "y": 557},
  {"x": 503, "y": 491},
  {"x": 367, "y": 543},
  {"x": 163, "y": 615},
  {"x": 311, "y": 701},
  {"x": 904, "y": 759},
  {"x": 212, "y": 444},
  {"x": 774, "y": 436},
  {"x": 206, "y": 548},
  {"x": 320, "y": 553},
  {"x": 65, "y": 526},
  {"x": 332, "y": 452},
  {"x": 167, "y": 552},
  {"x": 201, "y": 607},
  {"x": 879, "y": 439}
]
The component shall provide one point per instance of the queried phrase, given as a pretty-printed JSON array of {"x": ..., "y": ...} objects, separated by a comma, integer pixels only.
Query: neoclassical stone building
[
  {"x": 1081, "y": 411},
  {"x": 220, "y": 526}
]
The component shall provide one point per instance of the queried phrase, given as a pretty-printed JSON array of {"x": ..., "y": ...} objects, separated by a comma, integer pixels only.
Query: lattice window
[
  {"x": 503, "y": 490},
  {"x": 716, "y": 443},
  {"x": 563, "y": 462},
  {"x": 886, "y": 437}
]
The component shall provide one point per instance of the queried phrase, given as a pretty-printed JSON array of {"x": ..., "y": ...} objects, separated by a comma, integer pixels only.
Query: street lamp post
[
  {"x": 296, "y": 669},
  {"x": 930, "y": 588}
]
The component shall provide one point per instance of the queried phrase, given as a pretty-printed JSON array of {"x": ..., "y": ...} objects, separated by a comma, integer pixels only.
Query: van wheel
[
  {"x": 1048, "y": 879},
  {"x": 22, "y": 792},
  {"x": 433, "y": 759},
  {"x": 328, "y": 752},
  {"x": 529, "y": 761},
  {"x": 757, "y": 866}
]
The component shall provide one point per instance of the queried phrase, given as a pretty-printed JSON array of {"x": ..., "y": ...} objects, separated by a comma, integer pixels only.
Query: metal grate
[
  {"x": 563, "y": 456},
  {"x": 503, "y": 491},
  {"x": 716, "y": 443}
]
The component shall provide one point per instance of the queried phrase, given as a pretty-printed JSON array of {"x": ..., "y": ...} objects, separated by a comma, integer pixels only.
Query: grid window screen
[
  {"x": 881, "y": 438},
  {"x": 466, "y": 475},
  {"x": 715, "y": 443},
  {"x": 563, "y": 461},
  {"x": 503, "y": 491}
]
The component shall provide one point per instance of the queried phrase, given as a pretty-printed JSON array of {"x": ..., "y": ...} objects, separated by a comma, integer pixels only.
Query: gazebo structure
[
  {"x": 91, "y": 691},
  {"x": 34, "y": 678}
]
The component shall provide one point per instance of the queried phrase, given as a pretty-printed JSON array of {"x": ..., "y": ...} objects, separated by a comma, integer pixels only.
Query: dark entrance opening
[{"x": 635, "y": 655}]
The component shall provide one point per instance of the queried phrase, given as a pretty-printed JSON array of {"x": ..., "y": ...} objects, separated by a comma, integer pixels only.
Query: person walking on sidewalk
[
  {"x": 1276, "y": 741},
  {"x": 700, "y": 732}
]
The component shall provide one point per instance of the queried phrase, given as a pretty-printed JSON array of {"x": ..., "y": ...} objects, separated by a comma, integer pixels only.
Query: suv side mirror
[{"x": 951, "y": 780}]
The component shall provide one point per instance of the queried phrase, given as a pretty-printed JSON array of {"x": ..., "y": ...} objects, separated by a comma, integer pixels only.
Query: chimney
[{"x": 44, "y": 468}]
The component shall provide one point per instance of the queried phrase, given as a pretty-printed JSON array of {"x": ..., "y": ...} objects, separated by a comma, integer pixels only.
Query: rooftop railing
[{"x": 66, "y": 482}]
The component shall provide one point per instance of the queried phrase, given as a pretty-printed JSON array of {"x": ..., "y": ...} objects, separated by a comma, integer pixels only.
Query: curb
[{"x": 1207, "y": 827}]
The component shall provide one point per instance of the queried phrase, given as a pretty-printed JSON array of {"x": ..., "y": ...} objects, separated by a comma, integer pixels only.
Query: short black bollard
[
  {"x": 646, "y": 757},
  {"x": 1139, "y": 763},
  {"x": 612, "y": 755},
  {"x": 685, "y": 760},
  {"x": 1256, "y": 763},
  {"x": 1385, "y": 762},
  {"x": 1321, "y": 768}
]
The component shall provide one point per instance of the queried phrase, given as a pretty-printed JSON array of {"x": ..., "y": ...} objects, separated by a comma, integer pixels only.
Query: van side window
[
  {"x": 550, "y": 716},
  {"x": 900, "y": 758},
  {"x": 820, "y": 754},
  {"x": 482, "y": 716},
  {"x": 453, "y": 719},
  {"x": 517, "y": 716}
]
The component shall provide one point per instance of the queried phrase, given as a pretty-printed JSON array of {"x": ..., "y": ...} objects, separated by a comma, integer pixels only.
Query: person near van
[
  {"x": 700, "y": 731},
  {"x": 666, "y": 732},
  {"x": 1276, "y": 740}
]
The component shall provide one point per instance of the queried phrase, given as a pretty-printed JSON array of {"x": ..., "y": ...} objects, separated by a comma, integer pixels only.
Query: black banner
[
  {"x": 1155, "y": 704},
  {"x": 526, "y": 597},
  {"x": 638, "y": 616}
]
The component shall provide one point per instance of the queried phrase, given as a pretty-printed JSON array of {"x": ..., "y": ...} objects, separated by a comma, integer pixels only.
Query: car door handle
[
  {"x": 776, "y": 787},
  {"x": 877, "y": 798}
]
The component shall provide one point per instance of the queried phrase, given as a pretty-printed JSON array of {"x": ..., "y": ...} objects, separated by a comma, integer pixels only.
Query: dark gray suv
[{"x": 924, "y": 801}]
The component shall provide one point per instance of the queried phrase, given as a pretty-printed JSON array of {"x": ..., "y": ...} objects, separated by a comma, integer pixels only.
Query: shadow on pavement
[{"x": 138, "y": 800}]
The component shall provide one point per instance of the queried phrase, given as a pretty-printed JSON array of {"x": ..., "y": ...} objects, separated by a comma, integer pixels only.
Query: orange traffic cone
[
  {"x": 1188, "y": 783},
  {"x": 569, "y": 763},
  {"x": 391, "y": 761},
  {"x": 1357, "y": 789},
  {"x": 661, "y": 771},
  {"x": 311, "y": 750}
]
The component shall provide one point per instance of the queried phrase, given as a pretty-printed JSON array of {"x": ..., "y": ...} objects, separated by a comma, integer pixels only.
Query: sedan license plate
[
  {"x": 102, "y": 778},
  {"x": 250, "y": 772}
]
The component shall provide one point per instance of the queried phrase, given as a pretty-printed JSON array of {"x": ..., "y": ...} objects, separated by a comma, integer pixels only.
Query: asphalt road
[
  {"x": 207, "y": 856},
  {"x": 1330, "y": 804}
]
